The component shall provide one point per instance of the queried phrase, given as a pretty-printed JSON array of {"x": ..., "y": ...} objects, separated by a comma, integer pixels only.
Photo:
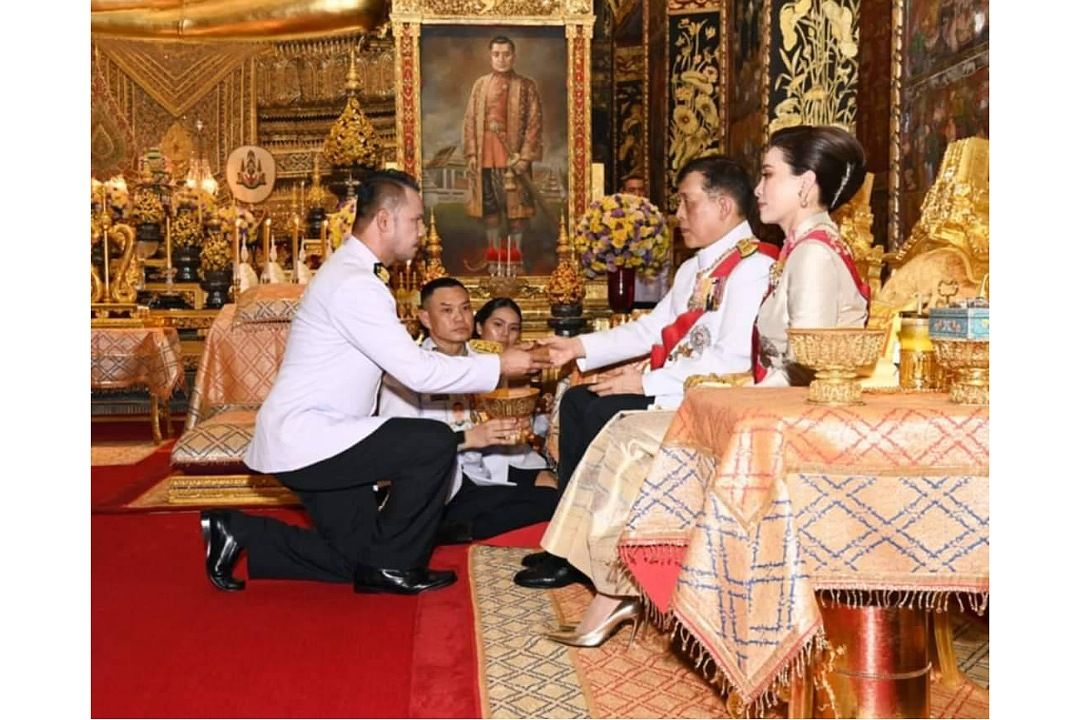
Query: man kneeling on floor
[
  {"x": 317, "y": 432},
  {"x": 494, "y": 488}
]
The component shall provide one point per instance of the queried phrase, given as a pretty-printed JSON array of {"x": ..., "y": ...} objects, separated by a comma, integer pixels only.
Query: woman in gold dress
[{"x": 807, "y": 173}]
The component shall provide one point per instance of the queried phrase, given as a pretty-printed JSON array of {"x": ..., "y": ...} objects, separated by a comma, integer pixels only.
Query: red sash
[
  {"x": 849, "y": 262},
  {"x": 676, "y": 331}
]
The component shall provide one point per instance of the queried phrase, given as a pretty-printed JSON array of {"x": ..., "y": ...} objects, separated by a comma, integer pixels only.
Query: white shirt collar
[
  {"x": 359, "y": 249},
  {"x": 706, "y": 256},
  {"x": 429, "y": 344}
]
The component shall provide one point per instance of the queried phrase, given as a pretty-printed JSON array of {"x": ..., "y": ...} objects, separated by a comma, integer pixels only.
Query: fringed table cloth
[
  {"x": 757, "y": 500},
  {"x": 123, "y": 358}
]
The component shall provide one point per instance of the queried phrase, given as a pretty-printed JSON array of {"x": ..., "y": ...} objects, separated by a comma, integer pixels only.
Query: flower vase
[
  {"x": 186, "y": 261},
  {"x": 620, "y": 289},
  {"x": 217, "y": 284},
  {"x": 148, "y": 236}
]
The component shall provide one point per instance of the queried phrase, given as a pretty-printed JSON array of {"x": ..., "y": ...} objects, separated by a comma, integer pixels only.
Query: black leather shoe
[
  {"x": 222, "y": 549},
  {"x": 534, "y": 559},
  {"x": 554, "y": 572},
  {"x": 400, "y": 582}
]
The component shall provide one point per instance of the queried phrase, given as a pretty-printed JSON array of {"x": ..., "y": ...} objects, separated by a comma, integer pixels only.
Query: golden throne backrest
[
  {"x": 950, "y": 243},
  {"x": 855, "y": 220},
  {"x": 951, "y": 240}
]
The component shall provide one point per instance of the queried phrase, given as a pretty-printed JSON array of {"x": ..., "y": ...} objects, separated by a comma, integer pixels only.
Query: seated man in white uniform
[
  {"x": 493, "y": 489},
  {"x": 318, "y": 434},
  {"x": 702, "y": 325}
]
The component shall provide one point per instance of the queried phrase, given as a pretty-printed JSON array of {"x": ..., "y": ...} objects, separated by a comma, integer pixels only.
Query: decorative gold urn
[
  {"x": 969, "y": 364},
  {"x": 835, "y": 353},
  {"x": 507, "y": 402}
]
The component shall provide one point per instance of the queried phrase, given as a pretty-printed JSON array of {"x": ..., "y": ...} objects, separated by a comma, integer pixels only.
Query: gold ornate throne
[{"x": 949, "y": 244}]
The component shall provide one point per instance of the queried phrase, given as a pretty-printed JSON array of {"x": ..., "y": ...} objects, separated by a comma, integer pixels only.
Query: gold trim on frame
[
  {"x": 766, "y": 62},
  {"x": 896, "y": 86}
]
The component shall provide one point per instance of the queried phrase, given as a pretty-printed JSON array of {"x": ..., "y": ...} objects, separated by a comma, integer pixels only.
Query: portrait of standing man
[{"x": 502, "y": 138}]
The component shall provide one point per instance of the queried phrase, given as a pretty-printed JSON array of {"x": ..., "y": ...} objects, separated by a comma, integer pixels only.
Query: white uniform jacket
[
  {"x": 484, "y": 466},
  {"x": 719, "y": 342},
  {"x": 345, "y": 334}
]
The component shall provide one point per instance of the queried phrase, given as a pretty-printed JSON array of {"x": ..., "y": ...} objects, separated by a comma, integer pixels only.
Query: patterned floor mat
[{"x": 522, "y": 674}]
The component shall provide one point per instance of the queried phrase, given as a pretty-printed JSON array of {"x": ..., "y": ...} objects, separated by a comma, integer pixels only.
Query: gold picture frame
[{"x": 408, "y": 20}]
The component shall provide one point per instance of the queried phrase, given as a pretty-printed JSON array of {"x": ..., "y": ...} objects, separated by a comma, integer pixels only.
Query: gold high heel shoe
[{"x": 628, "y": 610}]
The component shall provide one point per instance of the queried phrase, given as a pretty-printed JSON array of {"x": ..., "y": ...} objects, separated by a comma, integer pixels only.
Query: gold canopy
[{"x": 233, "y": 19}]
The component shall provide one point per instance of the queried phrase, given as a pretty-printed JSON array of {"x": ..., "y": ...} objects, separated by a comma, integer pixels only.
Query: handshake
[
  {"x": 530, "y": 358},
  {"x": 523, "y": 360}
]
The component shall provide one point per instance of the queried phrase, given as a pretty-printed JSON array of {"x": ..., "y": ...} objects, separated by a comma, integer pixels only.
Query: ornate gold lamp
[{"x": 836, "y": 353}]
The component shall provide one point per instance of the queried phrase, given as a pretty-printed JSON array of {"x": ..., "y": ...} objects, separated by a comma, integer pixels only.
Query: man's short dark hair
[
  {"x": 502, "y": 40},
  {"x": 631, "y": 176},
  {"x": 722, "y": 174},
  {"x": 382, "y": 188},
  {"x": 430, "y": 287}
]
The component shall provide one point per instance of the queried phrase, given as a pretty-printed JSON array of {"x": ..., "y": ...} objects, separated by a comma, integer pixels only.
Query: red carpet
[
  {"x": 113, "y": 486},
  {"x": 444, "y": 659},
  {"x": 164, "y": 643}
]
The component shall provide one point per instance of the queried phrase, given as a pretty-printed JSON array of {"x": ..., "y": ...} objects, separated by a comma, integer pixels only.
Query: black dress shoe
[
  {"x": 534, "y": 559},
  {"x": 400, "y": 582},
  {"x": 222, "y": 549},
  {"x": 554, "y": 572}
]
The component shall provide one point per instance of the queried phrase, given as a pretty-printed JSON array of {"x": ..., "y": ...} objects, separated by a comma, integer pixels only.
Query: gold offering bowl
[
  {"x": 486, "y": 346},
  {"x": 969, "y": 363},
  {"x": 512, "y": 402},
  {"x": 835, "y": 353}
]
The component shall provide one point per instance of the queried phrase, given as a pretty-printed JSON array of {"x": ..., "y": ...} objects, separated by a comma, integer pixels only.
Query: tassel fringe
[{"x": 930, "y": 600}]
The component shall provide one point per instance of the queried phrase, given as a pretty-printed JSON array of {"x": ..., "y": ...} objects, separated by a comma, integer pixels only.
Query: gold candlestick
[
  {"x": 236, "y": 251},
  {"x": 324, "y": 232},
  {"x": 296, "y": 249},
  {"x": 168, "y": 248},
  {"x": 266, "y": 243},
  {"x": 105, "y": 252}
]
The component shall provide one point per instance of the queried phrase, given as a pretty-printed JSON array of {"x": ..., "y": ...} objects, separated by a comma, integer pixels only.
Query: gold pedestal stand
[
  {"x": 835, "y": 353},
  {"x": 969, "y": 362}
]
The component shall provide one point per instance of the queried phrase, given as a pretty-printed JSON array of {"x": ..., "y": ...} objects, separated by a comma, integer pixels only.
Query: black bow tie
[{"x": 382, "y": 273}]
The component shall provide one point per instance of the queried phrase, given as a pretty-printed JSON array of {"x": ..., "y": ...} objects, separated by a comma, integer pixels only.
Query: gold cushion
[
  {"x": 274, "y": 303},
  {"x": 217, "y": 442}
]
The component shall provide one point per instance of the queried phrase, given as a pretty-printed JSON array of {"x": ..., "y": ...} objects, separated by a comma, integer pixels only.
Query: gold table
[
  {"x": 127, "y": 357},
  {"x": 758, "y": 505}
]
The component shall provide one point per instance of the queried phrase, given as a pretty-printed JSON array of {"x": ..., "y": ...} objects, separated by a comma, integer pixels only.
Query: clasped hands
[{"x": 496, "y": 431}]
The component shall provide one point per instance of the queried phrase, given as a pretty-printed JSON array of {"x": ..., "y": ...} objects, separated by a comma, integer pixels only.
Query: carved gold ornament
[{"x": 566, "y": 286}]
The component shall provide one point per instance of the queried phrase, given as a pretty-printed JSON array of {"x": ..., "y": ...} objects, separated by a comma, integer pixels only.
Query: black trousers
[
  {"x": 582, "y": 414},
  {"x": 491, "y": 510},
  {"x": 415, "y": 455}
]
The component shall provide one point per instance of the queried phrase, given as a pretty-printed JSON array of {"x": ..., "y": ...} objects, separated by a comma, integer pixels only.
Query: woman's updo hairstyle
[
  {"x": 489, "y": 308},
  {"x": 837, "y": 159}
]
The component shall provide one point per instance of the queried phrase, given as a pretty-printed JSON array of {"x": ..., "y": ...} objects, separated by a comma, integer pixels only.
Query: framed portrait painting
[{"x": 493, "y": 115}]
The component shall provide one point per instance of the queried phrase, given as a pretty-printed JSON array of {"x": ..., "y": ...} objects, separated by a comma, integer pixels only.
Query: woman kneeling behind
[
  {"x": 807, "y": 172},
  {"x": 499, "y": 482}
]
